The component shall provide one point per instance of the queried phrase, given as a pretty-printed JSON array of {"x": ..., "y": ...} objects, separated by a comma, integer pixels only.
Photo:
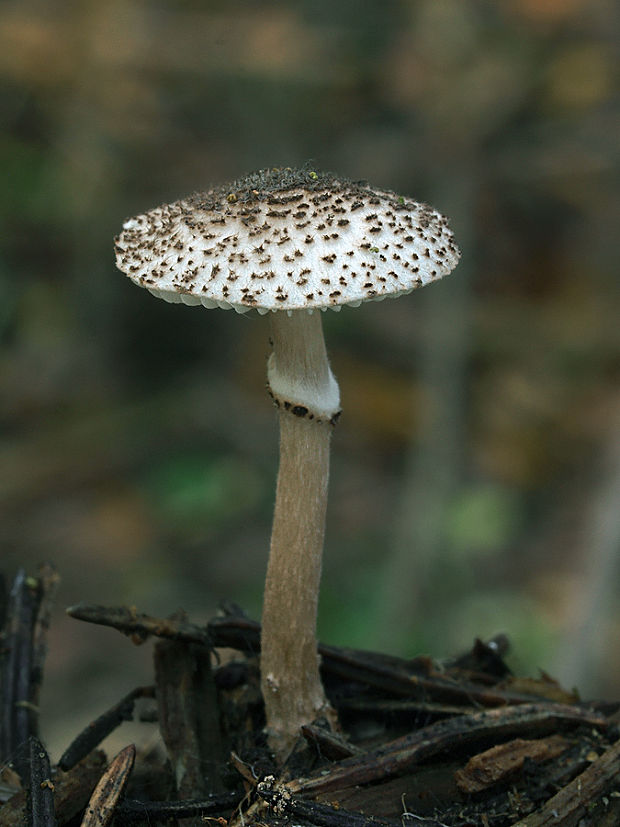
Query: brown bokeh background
[{"x": 476, "y": 469}]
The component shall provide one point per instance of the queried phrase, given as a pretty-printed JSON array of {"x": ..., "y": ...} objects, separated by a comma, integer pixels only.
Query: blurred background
[{"x": 476, "y": 469}]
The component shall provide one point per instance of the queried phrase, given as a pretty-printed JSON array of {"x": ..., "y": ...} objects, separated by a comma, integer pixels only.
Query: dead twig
[
  {"x": 582, "y": 796},
  {"x": 395, "y": 707},
  {"x": 18, "y": 718},
  {"x": 48, "y": 582},
  {"x": 395, "y": 757},
  {"x": 189, "y": 717},
  {"x": 398, "y": 677},
  {"x": 139, "y": 627},
  {"x": 329, "y": 744},
  {"x": 24, "y": 645},
  {"x": 102, "y": 726},
  {"x": 102, "y": 804},
  {"x": 40, "y": 788},
  {"x": 505, "y": 760},
  {"x": 150, "y": 812}
]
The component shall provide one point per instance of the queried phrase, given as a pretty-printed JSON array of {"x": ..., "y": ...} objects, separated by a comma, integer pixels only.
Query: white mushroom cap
[{"x": 286, "y": 239}]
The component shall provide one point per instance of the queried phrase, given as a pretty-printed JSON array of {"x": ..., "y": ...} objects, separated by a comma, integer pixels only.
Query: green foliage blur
[{"x": 476, "y": 468}]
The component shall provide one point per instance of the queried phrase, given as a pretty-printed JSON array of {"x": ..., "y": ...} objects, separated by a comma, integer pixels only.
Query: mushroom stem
[{"x": 306, "y": 393}]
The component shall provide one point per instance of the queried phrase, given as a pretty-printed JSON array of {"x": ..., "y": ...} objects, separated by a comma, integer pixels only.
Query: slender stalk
[{"x": 307, "y": 395}]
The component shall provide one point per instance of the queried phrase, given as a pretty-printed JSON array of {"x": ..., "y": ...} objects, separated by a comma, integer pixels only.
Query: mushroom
[{"x": 290, "y": 242}]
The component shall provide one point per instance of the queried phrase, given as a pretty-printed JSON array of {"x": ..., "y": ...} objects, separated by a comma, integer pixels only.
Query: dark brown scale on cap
[{"x": 176, "y": 249}]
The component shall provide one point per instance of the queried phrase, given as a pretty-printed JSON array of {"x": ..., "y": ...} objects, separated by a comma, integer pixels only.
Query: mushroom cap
[{"x": 287, "y": 239}]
